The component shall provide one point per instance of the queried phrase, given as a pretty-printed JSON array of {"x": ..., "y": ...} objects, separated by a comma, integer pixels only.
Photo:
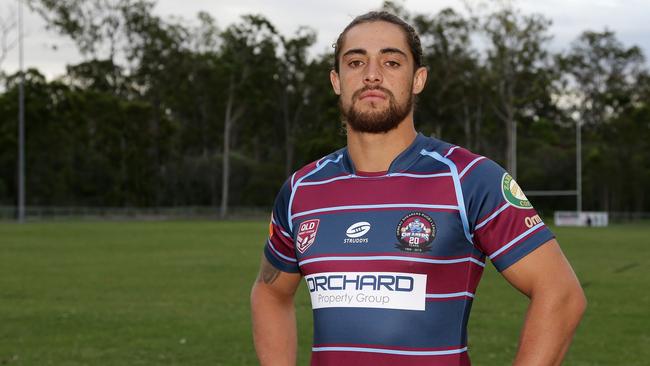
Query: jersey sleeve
[
  {"x": 503, "y": 223},
  {"x": 280, "y": 248}
]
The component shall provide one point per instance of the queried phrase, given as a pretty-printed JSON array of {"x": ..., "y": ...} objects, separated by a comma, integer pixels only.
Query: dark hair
[{"x": 376, "y": 16}]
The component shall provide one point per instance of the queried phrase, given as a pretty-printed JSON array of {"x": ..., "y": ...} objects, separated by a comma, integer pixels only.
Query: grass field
[{"x": 176, "y": 293}]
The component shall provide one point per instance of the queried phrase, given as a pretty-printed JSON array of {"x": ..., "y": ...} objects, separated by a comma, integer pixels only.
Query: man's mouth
[{"x": 372, "y": 95}]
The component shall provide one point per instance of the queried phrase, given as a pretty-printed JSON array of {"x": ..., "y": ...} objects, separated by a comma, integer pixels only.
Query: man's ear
[
  {"x": 419, "y": 80},
  {"x": 336, "y": 82}
]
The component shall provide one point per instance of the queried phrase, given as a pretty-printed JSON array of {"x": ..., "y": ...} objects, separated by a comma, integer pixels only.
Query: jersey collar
[{"x": 401, "y": 163}]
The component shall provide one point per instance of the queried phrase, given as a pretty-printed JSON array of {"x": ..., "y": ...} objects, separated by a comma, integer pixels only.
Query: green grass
[{"x": 176, "y": 293}]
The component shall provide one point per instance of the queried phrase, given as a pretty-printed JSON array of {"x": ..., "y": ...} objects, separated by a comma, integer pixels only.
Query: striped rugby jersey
[{"x": 392, "y": 260}]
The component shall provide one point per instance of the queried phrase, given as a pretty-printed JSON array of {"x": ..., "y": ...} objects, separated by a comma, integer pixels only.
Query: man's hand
[
  {"x": 557, "y": 303},
  {"x": 274, "y": 320}
]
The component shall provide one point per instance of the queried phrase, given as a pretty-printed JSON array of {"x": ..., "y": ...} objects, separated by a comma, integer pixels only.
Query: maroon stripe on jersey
[
  {"x": 373, "y": 191},
  {"x": 347, "y": 358},
  {"x": 462, "y": 158},
  {"x": 521, "y": 240},
  {"x": 406, "y": 207},
  {"x": 469, "y": 168},
  {"x": 487, "y": 216},
  {"x": 281, "y": 243},
  {"x": 441, "y": 278},
  {"x": 394, "y": 254},
  {"x": 304, "y": 171},
  {"x": 502, "y": 229}
]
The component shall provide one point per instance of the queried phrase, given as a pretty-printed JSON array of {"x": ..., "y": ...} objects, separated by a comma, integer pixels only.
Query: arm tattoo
[{"x": 268, "y": 274}]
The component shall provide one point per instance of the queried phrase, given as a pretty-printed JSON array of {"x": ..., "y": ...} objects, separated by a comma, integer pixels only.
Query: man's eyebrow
[
  {"x": 393, "y": 50},
  {"x": 355, "y": 51},
  {"x": 361, "y": 51}
]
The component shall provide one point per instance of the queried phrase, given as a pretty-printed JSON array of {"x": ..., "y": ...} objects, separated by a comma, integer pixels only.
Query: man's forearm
[
  {"x": 274, "y": 327},
  {"x": 548, "y": 329}
]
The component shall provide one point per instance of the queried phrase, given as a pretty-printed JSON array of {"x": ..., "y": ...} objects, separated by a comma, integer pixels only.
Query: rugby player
[{"x": 392, "y": 232}]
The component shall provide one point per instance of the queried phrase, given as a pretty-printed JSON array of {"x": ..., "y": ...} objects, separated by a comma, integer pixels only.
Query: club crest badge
[
  {"x": 307, "y": 234},
  {"x": 415, "y": 232},
  {"x": 513, "y": 193}
]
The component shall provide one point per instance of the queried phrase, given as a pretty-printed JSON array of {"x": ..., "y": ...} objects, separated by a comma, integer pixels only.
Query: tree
[
  {"x": 247, "y": 51},
  {"x": 454, "y": 80},
  {"x": 7, "y": 28},
  {"x": 603, "y": 82},
  {"x": 518, "y": 70},
  {"x": 295, "y": 90}
]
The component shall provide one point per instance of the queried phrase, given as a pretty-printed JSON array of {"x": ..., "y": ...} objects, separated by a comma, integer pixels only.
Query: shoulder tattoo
[{"x": 268, "y": 274}]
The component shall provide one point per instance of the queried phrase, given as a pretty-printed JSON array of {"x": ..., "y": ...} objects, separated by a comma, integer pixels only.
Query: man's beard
[{"x": 379, "y": 121}]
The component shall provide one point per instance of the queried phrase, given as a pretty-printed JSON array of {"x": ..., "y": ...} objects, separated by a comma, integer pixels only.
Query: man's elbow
[
  {"x": 572, "y": 303},
  {"x": 578, "y": 303}
]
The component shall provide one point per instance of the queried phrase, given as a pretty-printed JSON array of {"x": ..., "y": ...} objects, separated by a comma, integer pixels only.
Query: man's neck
[{"x": 374, "y": 152}]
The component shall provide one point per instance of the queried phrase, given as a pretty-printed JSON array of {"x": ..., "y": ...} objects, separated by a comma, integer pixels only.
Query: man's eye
[
  {"x": 355, "y": 63},
  {"x": 392, "y": 64}
]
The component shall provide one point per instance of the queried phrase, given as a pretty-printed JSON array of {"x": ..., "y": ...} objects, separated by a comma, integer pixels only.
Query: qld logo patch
[
  {"x": 415, "y": 232},
  {"x": 513, "y": 193},
  {"x": 307, "y": 234}
]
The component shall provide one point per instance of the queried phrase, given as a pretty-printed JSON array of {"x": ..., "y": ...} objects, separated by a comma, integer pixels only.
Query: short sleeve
[
  {"x": 280, "y": 248},
  {"x": 503, "y": 222}
]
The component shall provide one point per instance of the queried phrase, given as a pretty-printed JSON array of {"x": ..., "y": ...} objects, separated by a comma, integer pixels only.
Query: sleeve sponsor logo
[
  {"x": 532, "y": 221},
  {"x": 415, "y": 232},
  {"x": 307, "y": 234},
  {"x": 512, "y": 193},
  {"x": 382, "y": 290}
]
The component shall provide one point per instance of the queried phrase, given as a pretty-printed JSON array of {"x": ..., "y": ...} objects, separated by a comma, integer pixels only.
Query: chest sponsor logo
[
  {"x": 381, "y": 290},
  {"x": 307, "y": 234},
  {"x": 513, "y": 193},
  {"x": 355, "y": 232},
  {"x": 415, "y": 232}
]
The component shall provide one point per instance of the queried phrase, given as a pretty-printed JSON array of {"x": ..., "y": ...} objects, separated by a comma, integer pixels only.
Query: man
[{"x": 392, "y": 232}]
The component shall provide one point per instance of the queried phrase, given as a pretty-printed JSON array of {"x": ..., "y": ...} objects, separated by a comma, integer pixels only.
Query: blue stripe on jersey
[
  {"x": 297, "y": 184},
  {"x": 332, "y": 234},
  {"x": 470, "y": 165},
  {"x": 457, "y": 187},
  {"x": 272, "y": 257},
  {"x": 442, "y": 324},
  {"x": 537, "y": 239}
]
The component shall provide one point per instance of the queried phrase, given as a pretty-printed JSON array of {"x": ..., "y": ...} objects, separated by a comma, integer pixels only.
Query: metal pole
[
  {"x": 514, "y": 150},
  {"x": 21, "y": 120},
  {"x": 578, "y": 167}
]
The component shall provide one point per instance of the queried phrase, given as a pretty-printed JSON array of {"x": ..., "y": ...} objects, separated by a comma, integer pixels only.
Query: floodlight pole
[
  {"x": 578, "y": 166},
  {"x": 21, "y": 120},
  {"x": 513, "y": 152}
]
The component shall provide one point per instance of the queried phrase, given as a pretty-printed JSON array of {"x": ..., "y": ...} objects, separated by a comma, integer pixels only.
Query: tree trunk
[
  {"x": 229, "y": 120},
  {"x": 477, "y": 127},
  {"x": 467, "y": 125},
  {"x": 225, "y": 165}
]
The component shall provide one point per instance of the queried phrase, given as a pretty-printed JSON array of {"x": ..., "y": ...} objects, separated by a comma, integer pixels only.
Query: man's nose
[{"x": 373, "y": 74}]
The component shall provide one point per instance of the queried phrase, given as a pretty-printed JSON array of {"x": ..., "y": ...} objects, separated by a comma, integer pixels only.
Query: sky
[{"x": 50, "y": 53}]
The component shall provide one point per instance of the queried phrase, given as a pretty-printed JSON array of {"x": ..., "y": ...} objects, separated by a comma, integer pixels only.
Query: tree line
[{"x": 171, "y": 112}]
